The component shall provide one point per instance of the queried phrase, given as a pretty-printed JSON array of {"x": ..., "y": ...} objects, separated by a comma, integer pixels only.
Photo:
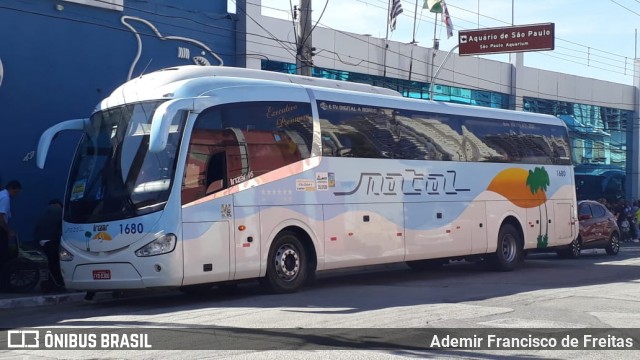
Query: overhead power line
[{"x": 288, "y": 46}]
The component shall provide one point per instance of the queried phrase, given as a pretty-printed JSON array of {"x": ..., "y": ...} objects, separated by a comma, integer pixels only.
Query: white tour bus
[{"x": 193, "y": 175}]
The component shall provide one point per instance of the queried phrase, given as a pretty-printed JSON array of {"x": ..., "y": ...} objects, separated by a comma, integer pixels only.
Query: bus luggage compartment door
[{"x": 363, "y": 234}]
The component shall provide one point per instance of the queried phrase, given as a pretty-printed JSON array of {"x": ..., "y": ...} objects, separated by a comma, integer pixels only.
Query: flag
[
  {"x": 434, "y": 6},
  {"x": 396, "y": 10},
  {"x": 446, "y": 19}
]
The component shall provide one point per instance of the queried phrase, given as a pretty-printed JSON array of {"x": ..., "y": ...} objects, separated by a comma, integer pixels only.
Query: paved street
[{"x": 595, "y": 291}]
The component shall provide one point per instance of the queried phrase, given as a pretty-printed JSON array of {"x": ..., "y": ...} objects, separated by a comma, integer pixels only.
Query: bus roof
[
  {"x": 162, "y": 84},
  {"x": 150, "y": 86}
]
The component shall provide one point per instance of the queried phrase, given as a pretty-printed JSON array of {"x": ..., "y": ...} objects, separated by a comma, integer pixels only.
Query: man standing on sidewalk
[
  {"x": 47, "y": 232},
  {"x": 6, "y": 233}
]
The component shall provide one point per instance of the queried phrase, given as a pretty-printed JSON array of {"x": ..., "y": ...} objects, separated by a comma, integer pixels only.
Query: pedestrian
[
  {"x": 633, "y": 220},
  {"x": 620, "y": 212},
  {"x": 12, "y": 189},
  {"x": 47, "y": 232}
]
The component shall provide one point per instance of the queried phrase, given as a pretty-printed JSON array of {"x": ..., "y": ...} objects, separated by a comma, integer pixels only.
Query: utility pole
[
  {"x": 434, "y": 52},
  {"x": 413, "y": 42},
  {"x": 304, "y": 53}
]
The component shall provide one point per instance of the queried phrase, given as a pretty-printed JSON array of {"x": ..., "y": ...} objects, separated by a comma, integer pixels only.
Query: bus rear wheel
[
  {"x": 509, "y": 253},
  {"x": 287, "y": 264}
]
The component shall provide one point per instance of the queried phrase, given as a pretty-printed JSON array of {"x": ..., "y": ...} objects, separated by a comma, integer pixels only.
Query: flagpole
[
  {"x": 413, "y": 42},
  {"x": 386, "y": 46},
  {"x": 435, "y": 28}
]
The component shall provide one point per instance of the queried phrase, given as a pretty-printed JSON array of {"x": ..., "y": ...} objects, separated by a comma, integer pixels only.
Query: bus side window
[
  {"x": 329, "y": 146},
  {"x": 206, "y": 168},
  {"x": 193, "y": 180},
  {"x": 217, "y": 172}
]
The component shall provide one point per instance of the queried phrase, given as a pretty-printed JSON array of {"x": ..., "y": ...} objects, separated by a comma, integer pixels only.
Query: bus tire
[
  {"x": 509, "y": 253},
  {"x": 287, "y": 264}
]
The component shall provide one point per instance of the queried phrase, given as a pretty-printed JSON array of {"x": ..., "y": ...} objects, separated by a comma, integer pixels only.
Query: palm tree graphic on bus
[{"x": 526, "y": 189}]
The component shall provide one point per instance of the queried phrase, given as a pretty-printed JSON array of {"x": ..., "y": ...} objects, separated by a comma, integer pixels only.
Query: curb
[{"x": 40, "y": 300}]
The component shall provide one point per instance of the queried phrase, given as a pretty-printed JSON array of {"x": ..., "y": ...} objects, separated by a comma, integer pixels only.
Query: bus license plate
[{"x": 101, "y": 274}]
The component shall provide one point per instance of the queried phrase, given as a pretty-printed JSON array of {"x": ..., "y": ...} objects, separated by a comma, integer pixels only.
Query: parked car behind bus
[{"x": 598, "y": 229}]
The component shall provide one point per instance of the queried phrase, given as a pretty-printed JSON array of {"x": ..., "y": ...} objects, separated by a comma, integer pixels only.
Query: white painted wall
[{"x": 365, "y": 54}]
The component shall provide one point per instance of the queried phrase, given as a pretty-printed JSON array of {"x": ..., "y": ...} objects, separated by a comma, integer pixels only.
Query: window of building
[{"x": 411, "y": 89}]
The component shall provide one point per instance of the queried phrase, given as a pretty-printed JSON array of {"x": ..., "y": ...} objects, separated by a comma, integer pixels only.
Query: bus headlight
[
  {"x": 65, "y": 255},
  {"x": 161, "y": 245}
]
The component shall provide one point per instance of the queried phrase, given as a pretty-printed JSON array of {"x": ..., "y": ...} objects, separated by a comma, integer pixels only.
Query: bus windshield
[{"x": 113, "y": 175}]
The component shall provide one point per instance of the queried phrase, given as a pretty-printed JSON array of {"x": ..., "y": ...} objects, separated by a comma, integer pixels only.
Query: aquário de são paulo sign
[{"x": 508, "y": 39}]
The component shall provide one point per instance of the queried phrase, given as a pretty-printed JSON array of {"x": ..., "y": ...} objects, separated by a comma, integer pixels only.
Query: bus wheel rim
[
  {"x": 509, "y": 248},
  {"x": 287, "y": 261}
]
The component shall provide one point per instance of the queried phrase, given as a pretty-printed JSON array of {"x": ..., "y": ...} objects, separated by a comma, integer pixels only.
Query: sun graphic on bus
[
  {"x": 525, "y": 189},
  {"x": 102, "y": 236},
  {"x": 513, "y": 184}
]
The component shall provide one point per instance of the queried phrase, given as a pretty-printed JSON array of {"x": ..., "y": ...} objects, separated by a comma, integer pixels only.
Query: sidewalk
[{"x": 38, "y": 298}]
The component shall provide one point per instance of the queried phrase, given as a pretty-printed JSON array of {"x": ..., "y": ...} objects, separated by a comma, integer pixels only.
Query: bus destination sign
[{"x": 508, "y": 39}]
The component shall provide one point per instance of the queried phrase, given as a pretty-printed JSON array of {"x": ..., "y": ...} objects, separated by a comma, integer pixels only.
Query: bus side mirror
[
  {"x": 47, "y": 136},
  {"x": 161, "y": 123},
  {"x": 163, "y": 117}
]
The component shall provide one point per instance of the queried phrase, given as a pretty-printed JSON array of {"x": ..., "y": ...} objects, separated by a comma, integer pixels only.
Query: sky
[{"x": 595, "y": 38}]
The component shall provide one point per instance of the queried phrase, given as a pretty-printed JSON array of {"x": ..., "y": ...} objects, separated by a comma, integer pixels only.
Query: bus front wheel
[
  {"x": 509, "y": 253},
  {"x": 287, "y": 267}
]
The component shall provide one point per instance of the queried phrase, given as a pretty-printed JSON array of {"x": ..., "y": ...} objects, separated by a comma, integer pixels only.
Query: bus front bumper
[{"x": 115, "y": 276}]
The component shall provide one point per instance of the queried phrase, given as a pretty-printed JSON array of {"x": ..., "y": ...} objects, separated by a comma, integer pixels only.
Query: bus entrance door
[{"x": 205, "y": 244}]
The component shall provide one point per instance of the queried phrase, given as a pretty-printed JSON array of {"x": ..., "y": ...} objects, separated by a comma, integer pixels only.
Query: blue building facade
[{"x": 58, "y": 59}]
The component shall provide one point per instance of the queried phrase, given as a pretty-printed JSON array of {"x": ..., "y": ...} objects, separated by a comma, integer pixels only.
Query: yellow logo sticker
[{"x": 102, "y": 236}]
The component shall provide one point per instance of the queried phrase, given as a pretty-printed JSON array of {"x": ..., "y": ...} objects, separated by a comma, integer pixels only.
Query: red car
[{"x": 598, "y": 229}]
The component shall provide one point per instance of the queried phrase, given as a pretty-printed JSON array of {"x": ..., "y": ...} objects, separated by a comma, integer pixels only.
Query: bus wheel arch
[
  {"x": 310, "y": 249},
  {"x": 509, "y": 247},
  {"x": 291, "y": 261}
]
